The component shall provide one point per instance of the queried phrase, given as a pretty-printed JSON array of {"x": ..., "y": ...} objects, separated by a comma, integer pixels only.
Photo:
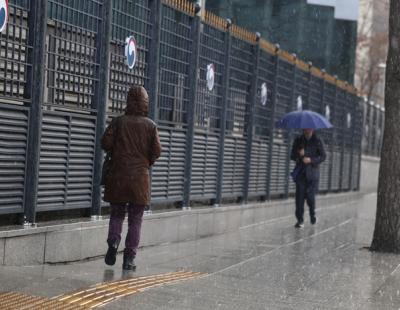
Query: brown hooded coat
[{"x": 134, "y": 144}]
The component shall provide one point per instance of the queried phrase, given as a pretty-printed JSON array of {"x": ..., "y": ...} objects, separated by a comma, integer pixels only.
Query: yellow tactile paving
[
  {"x": 106, "y": 292},
  {"x": 19, "y": 301},
  {"x": 92, "y": 297}
]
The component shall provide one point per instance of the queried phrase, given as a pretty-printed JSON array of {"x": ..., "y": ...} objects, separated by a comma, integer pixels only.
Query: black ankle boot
[
  {"x": 111, "y": 255},
  {"x": 129, "y": 262}
]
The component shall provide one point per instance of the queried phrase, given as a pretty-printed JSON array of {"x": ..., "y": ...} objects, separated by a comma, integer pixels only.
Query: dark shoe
[
  {"x": 111, "y": 255},
  {"x": 299, "y": 225},
  {"x": 313, "y": 220},
  {"x": 129, "y": 262}
]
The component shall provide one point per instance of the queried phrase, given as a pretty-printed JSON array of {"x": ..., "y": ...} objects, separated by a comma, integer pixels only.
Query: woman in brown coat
[{"x": 133, "y": 142}]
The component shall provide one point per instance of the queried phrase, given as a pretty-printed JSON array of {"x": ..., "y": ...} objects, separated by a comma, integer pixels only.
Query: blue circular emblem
[
  {"x": 130, "y": 51},
  {"x": 3, "y": 14}
]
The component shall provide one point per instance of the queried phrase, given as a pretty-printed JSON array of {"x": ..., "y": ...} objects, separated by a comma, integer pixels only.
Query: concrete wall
[
  {"x": 369, "y": 174},
  {"x": 77, "y": 241}
]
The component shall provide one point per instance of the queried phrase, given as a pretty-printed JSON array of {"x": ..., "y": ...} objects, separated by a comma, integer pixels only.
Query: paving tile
[{"x": 269, "y": 265}]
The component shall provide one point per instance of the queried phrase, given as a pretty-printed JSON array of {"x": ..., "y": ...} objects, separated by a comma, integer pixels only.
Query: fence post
[
  {"x": 290, "y": 134},
  {"x": 224, "y": 103},
  {"x": 369, "y": 122},
  {"x": 272, "y": 124},
  {"x": 332, "y": 143},
  {"x": 365, "y": 123},
  {"x": 372, "y": 116},
  {"x": 37, "y": 24},
  {"x": 193, "y": 81},
  {"x": 342, "y": 147},
  {"x": 362, "y": 107},
  {"x": 376, "y": 146},
  {"x": 250, "y": 122},
  {"x": 373, "y": 131},
  {"x": 154, "y": 57},
  {"x": 153, "y": 66},
  {"x": 327, "y": 161},
  {"x": 307, "y": 105},
  {"x": 373, "y": 126},
  {"x": 381, "y": 126},
  {"x": 364, "y": 129},
  {"x": 378, "y": 125},
  {"x": 352, "y": 127},
  {"x": 100, "y": 100}
]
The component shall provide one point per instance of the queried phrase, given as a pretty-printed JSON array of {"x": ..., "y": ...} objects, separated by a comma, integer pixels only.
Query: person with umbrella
[{"x": 308, "y": 152}]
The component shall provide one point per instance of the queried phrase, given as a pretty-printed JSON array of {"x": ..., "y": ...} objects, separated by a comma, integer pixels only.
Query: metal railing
[
  {"x": 63, "y": 75},
  {"x": 374, "y": 122}
]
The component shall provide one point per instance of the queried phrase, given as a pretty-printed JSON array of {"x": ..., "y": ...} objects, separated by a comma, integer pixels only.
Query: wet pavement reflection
[{"x": 269, "y": 265}]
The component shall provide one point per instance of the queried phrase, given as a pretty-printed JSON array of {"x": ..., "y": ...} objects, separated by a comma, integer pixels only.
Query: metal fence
[
  {"x": 374, "y": 121},
  {"x": 63, "y": 76}
]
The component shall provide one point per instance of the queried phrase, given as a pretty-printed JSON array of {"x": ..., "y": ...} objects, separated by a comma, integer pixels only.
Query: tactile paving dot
[{"x": 93, "y": 297}]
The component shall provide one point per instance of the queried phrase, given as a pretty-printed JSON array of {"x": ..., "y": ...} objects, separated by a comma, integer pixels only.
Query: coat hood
[{"x": 137, "y": 102}]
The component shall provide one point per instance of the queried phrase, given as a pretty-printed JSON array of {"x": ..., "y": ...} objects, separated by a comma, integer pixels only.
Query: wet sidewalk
[{"x": 269, "y": 265}]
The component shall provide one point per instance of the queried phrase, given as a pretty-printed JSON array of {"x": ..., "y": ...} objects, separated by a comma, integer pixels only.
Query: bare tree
[
  {"x": 387, "y": 226},
  {"x": 372, "y": 45},
  {"x": 368, "y": 68}
]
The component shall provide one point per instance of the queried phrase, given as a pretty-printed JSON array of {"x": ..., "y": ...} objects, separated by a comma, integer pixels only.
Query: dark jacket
[
  {"x": 313, "y": 148},
  {"x": 134, "y": 144}
]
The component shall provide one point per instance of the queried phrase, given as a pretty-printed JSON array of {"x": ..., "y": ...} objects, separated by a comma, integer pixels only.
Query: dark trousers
[
  {"x": 305, "y": 191},
  {"x": 135, "y": 217}
]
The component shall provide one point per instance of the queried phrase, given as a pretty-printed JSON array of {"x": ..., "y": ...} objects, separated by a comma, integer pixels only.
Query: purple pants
[{"x": 135, "y": 216}]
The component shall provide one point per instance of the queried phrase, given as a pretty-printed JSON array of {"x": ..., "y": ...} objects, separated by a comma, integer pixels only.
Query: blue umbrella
[{"x": 302, "y": 120}]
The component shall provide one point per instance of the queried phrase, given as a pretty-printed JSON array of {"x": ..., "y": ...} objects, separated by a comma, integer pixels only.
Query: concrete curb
[
  {"x": 371, "y": 159},
  {"x": 78, "y": 241}
]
